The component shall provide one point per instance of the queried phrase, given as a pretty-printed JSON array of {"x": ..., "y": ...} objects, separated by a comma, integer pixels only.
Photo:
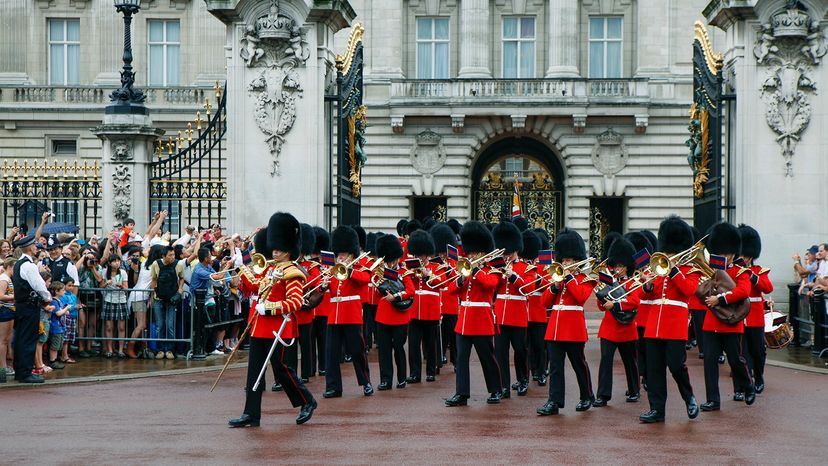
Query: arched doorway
[{"x": 539, "y": 177}]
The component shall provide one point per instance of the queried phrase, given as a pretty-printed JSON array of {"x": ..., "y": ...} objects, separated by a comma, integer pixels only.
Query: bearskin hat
[
  {"x": 639, "y": 241},
  {"x": 260, "y": 243},
  {"x": 724, "y": 239},
  {"x": 476, "y": 237},
  {"x": 345, "y": 239},
  {"x": 751, "y": 242},
  {"x": 531, "y": 245},
  {"x": 308, "y": 239},
  {"x": 569, "y": 244},
  {"x": 442, "y": 235},
  {"x": 651, "y": 237},
  {"x": 371, "y": 243},
  {"x": 428, "y": 224},
  {"x": 521, "y": 223},
  {"x": 284, "y": 234},
  {"x": 696, "y": 234},
  {"x": 401, "y": 226},
  {"x": 621, "y": 251},
  {"x": 544, "y": 238},
  {"x": 420, "y": 244},
  {"x": 674, "y": 235},
  {"x": 411, "y": 227},
  {"x": 454, "y": 225},
  {"x": 322, "y": 240},
  {"x": 361, "y": 235},
  {"x": 608, "y": 240},
  {"x": 389, "y": 248},
  {"x": 507, "y": 236}
]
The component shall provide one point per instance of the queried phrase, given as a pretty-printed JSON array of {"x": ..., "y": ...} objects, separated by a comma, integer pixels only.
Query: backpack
[{"x": 167, "y": 282}]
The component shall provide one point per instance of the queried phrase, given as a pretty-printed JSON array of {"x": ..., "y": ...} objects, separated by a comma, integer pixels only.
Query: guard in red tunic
[
  {"x": 512, "y": 308},
  {"x": 566, "y": 333},
  {"x": 754, "y": 340},
  {"x": 285, "y": 281},
  {"x": 537, "y": 321},
  {"x": 370, "y": 299},
  {"x": 365, "y": 295},
  {"x": 640, "y": 242},
  {"x": 345, "y": 316},
  {"x": 319, "y": 329},
  {"x": 724, "y": 240},
  {"x": 666, "y": 331},
  {"x": 304, "y": 317},
  {"x": 475, "y": 323},
  {"x": 614, "y": 334},
  {"x": 444, "y": 273},
  {"x": 424, "y": 328}
]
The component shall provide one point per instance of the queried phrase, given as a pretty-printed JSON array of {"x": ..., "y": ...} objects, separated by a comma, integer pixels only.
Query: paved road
[{"x": 176, "y": 420}]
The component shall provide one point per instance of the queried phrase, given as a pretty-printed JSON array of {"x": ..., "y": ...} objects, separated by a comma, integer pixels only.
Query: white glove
[{"x": 260, "y": 308}]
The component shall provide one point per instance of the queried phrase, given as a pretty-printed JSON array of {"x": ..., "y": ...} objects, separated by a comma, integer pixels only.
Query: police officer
[{"x": 30, "y": 294}]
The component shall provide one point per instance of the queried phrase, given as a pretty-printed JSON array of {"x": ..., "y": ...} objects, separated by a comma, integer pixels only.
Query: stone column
[
  {"x": 564, "y": 41},
  {"x": 653, "y": 49},
  {"x": 127, "y": 153},
  {"x": 474, "y": 39},
  {"x": 385, "y": 44}
]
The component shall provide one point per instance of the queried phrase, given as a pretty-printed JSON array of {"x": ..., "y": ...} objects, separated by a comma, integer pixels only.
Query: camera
[
  {"x": 135, "y": 260},
  {"x": 226, "y": 253}
]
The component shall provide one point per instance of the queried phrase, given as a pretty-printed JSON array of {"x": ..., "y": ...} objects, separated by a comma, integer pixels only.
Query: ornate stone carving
[
  {"x": 518, "y": 121},
  {"x": 397, "y": 123},
  {"x": 273, "y": 35},
  {"x": 121, "y": 151},
  {"x": 789, "y": 46},
  {"x": 428, "y": 154},
  {"x": 609, "y": 154},
  {"x": 641, "y": 123},
  {"x": 122, "y": 192},
  {"x": 458, "y": 122},
  {"x": 579, "y": 123}
]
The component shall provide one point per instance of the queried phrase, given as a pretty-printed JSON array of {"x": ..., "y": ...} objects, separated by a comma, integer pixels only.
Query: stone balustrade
[{"x": 97, "y": 95}]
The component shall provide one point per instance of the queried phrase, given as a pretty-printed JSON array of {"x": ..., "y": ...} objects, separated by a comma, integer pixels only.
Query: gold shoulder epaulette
[
  {"x": 292, "y": 271},
  {"x": 742, "y": 270}
]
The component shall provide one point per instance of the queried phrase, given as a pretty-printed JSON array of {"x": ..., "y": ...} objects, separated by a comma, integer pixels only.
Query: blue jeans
[{"x": 165, "y": 323}]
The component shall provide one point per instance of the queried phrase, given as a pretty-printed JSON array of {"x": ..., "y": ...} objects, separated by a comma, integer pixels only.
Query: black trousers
[
  {"x": 484, "y": 346},
  {"x": 516, "y": 337},
  {"x": 305, "y": 349},
  {"x": 319, "y": 336},
  {"x": 754, "y": 351},
  {"x": 285, "y": 375},
  {"x": 26, "y": 321},
  {"x": 423, "y": 336},
  {"x": 731, "y": 343},
  {"x": 349, "y": 335},
  {"x": 391, "y": 338},
  {"x": 558, "y": 351},
  {"x": 291, "y": 356},
  {"x": 538, "y": 362},
  {"x": 628, "y": 357},
  {"x": 642, "y": 354},
  {"x": 698, "y": 322},
  {"x": 663, "y": 354},
  {"x": 449, "y": 337},
  {"x": 369, "y": 325}
]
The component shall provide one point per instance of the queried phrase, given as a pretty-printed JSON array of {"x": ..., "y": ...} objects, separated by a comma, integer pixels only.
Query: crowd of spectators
[
  {"x": 812, "y": 275},
  {"x": 126, "y": 295}
]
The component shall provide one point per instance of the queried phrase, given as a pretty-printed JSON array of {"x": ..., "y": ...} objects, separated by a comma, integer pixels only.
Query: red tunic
[
  {"x": 366, "y": 292},
  {"x": 289, "y": 292},
  {"x": 738, "y": 293},
  {"x": 567, "y": 322},
  {"x": 305, "y": 316},
  {"x": 537, "y": 310},
  {"x": 449, "y": 302},
  {"x": 756, "y": 317},
  {"x": 512, "y": 306},
  {"x": 611, "y": 329},
  {"x": 324, "y": 306},
  {"x": 426, "y": 298},
  {"x": 476, "y": 293},
  {"x": 346, "y": 304},
  {"x": 388, "y": 314},
  {"x": 669, "y": 314}
]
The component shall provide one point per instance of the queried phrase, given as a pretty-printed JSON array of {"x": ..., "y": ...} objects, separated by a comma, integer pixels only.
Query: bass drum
[{"x": 778, "y": 333}]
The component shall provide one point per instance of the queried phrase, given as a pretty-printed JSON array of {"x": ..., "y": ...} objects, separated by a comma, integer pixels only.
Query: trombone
[
  {"x": 339, "y": 271},
  {"x": 465, "y": 266},
  {"x": 661, "y": 264},
  {"x": 260, "y": 264},
  {"x": 558, "y": 272}
]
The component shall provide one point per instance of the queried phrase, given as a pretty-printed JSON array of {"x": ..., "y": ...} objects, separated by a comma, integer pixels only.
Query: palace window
[
  {"x": 164, "y": 56},
  {"x": 519, "y": 47},
  {"x": 433, "y": 48},
  {"x": 605, "y": 46},
  {"x": 64, "y": 51}
]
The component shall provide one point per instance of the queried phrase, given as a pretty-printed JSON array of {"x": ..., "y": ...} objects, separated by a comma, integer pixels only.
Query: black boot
[
  {"x": 306, "y": 412},
  {"x": 548, "y": 409},
  {"x": 494, "y": 398},
  {"x": 368, "y": 389},
  {"x": 651, "y": 417},
  {"x": 600, "y": 402},
  {"x": 710, "y": 406},
  {"x": 692, "y": 408},
  {"x": 584, "y": 405},
  {"x": 739, "y": 396},
  {"x": 523, "y": 388},
  {"x": 457, "y": 400},
  {"x": 750, "y": 396},
  {"x": 277, "y": 387},
  {"x": 244, "y": 421}
]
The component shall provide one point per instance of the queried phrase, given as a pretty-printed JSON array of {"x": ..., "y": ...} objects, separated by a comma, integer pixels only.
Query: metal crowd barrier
[
  {"x": 818, "y": 316},
  {"x": 205, "y": 321}
]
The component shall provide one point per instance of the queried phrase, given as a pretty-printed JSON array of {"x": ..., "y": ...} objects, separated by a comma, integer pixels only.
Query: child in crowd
[
  {"x": 58, "y": 290},
  {"x": 70, "y": 320},
  {"x": 43, "y": 331}
]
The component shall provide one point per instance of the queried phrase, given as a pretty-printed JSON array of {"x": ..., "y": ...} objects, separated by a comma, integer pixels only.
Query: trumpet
[
  {"x": 259, "y": 266},
  {"x": 661, "y": 264},
  {"x": 465, "y": 266},
  {"x": 378, "y": 272},
  {"x": 343, "y": 271}
]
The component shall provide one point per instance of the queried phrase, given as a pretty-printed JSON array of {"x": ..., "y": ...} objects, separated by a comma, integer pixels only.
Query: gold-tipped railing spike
[
  {"x": 65, "y": 168},
  {"x": 75, "y": 168},
  {"x": 159, "y": 148},
  {"x": 15, "y": 168},
  {"x": 343, "y": 62},
  {"x": 96, "y": 170},
  {"x": 198, "y": 121},
  {"x": 180, "y": 140},
  {"x": 36, "y": 167},
  {"x": 207, "y": 107},
  {"x": 55, "y": 169},
  {"x": 169, "y": 148},
  {"x": 218, "y": 91},
  {"x": 189, "y": 133},
  {"x": 85, "y": 169},
  {"x": 25, "y": 169},
  {"x": 5, "y": 168}
]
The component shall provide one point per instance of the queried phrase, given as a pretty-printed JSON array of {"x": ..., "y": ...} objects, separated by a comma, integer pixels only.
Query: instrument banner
[
  {"x": 412, "y": 264},
  {"x": 546, "y": 257},
  {"x": 718, "y": 262},
  {"x": 328, "y": 258},
  {"x": 451, "y": 252},
  {"x": 391, "y": 274},
  {"x": 641, "y": 258},
  {"x": 605, "y": 278},
  {"x": 497, "y": 262}
]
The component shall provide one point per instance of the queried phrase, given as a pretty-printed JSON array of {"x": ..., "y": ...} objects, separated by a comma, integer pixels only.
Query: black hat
[
  {"x": 476, "y": 237},
  {"x": 651, "y": 237},
  {"x": 388, "y": 248},
  {"x": 428, "y": 224},
  {"x": 508, "y": 237},
  {"x": 442, "y": 235},
  {"x": 454, "y": 225},
  {"x": 544, "y": 237},
  {"x": 345, "y": 239},
  {"x": 751, "y": 242},
  {"x": 639, "y": 241},
  {"x": 490, "y": 226},
  {"x": 371, "y": 243},
  {"x": 531, "y": 245},
  {"x": 401, "y": 226},
  {"x": 52, "y": 242},
  {"x": 696, "y": 234},
  {"x": 570, "y": 245},
  {"x": 420, "y": 244},
  {"x": 674, "y": 235},
  {"x": 608, "y": 240},
  {"x": 322, "y": 240},
  {"x": 724, "y": 239},
  {"x": 361, "y": 235},
  {"x": 308, "y": 239},
  {"x": 24, "y": 242},
  {"x": 621, "y": 251},
  {"x": 259, "y": 243},
  {"x": 377, "y": 236},
  {"x": 521, "y": 223},
  {"x": 283, "y": 233},
  {"x": 411, "y": 227}
]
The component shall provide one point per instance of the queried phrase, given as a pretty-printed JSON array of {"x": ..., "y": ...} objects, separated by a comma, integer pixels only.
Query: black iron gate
[
  {"x": 705, "y": 141},
  {"x": 351, "y": 122},
  {"x": 188, "y": 179}
]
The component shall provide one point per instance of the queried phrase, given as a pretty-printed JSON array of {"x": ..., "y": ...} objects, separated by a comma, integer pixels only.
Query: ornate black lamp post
[{"x": 127, "y": 99}]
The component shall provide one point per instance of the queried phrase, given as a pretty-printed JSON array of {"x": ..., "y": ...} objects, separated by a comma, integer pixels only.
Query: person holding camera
[
  {"x": 138, "y": 278},
  {"x": 167, "y": 279},
  {"x": 88, "y": 314}
]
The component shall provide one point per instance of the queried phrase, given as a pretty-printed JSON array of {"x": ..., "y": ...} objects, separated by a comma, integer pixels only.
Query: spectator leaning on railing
[{"x": 167, "y": 279}]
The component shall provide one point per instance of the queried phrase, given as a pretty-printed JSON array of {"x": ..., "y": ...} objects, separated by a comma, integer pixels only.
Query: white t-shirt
[
  {"x": 117, "y": 280},
  {"x": 822, "y": 270},
  {"x": 143, "y": 283}
]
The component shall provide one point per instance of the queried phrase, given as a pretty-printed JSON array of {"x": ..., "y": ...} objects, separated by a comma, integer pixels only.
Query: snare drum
[{"x": 778, "y": 333}]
